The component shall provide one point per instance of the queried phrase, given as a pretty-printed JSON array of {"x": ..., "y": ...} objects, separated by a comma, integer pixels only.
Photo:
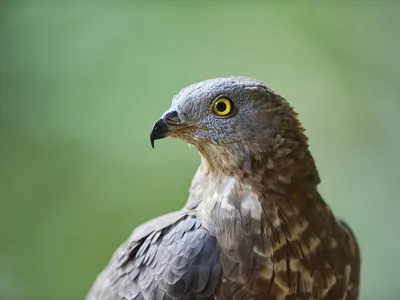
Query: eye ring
[{"x": 223, "y": 107}]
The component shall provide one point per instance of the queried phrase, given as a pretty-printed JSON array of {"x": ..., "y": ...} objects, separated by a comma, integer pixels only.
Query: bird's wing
[
  {"x": 170, "y": 257},
  {"x": 350, "y": 244}
]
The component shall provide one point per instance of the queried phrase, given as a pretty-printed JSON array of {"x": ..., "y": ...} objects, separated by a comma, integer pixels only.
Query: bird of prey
[{"x": 254, "y": 226}]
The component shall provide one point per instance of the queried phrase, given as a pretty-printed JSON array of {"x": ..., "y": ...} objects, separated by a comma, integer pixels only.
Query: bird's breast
[
  {"x": 255, "y": 249},
  {"x": 230, "y": 208}
]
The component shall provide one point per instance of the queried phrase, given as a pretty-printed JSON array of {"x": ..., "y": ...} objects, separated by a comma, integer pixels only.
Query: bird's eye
[{"x": 223, "y": 107}]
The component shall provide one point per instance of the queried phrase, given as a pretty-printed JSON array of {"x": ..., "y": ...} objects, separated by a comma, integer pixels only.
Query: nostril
[{"x": 172, "y": 117}]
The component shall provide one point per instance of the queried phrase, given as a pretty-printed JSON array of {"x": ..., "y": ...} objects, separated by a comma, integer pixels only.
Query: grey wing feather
[{"x": 171, "y": 257}]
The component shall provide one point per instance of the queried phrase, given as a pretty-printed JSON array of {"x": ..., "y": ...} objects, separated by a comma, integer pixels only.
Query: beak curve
[{"x": 163, "y": 127}]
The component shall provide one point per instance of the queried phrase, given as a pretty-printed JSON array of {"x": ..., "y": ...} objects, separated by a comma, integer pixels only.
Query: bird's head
[{"x": 234, "y": 122}]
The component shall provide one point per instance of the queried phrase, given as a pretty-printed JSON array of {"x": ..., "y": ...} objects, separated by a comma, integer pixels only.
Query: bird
[{"x": 254, "y": 226}]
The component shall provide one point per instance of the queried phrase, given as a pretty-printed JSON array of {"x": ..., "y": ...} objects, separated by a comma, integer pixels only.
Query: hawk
[{"x": 255, "y": 225}]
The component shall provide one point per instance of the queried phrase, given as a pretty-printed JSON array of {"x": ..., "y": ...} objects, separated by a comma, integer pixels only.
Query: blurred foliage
[{"x": 81, "y": 84}]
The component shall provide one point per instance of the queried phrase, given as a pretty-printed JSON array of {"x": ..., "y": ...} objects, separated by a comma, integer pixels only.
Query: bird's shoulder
[{"x": 169, "y": 257}]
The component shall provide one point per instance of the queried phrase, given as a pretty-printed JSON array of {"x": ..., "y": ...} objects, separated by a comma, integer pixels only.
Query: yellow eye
[{"x": 223, "y": 107}]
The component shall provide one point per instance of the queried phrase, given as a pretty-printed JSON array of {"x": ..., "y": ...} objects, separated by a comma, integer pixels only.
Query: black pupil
[{"x": 221, "y": 106}]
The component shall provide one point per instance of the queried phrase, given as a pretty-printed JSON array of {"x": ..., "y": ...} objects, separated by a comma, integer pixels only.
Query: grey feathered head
[{"x": 231, "y": 121}]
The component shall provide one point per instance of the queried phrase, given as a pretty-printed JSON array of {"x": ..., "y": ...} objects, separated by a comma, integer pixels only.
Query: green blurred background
[{"x": 81, "y": 84}]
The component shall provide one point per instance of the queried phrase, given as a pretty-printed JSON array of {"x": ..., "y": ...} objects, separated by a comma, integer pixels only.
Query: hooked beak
[{"x": 165, "y": 125}]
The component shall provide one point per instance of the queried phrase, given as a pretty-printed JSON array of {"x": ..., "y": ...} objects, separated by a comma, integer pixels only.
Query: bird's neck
[
  {"x": 286, "y": 185},
  {"x": 283, "y": 182},
  {"x": 280, "y": 171}
]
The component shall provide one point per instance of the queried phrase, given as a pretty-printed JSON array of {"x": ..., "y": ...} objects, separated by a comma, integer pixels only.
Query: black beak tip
[
  {"x": 164, "y": 126},
  {"x": 160, "y": 130}
]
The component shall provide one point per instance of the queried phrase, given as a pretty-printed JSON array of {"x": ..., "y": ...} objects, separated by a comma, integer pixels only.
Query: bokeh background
[{"x": 81, "y": 84}]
